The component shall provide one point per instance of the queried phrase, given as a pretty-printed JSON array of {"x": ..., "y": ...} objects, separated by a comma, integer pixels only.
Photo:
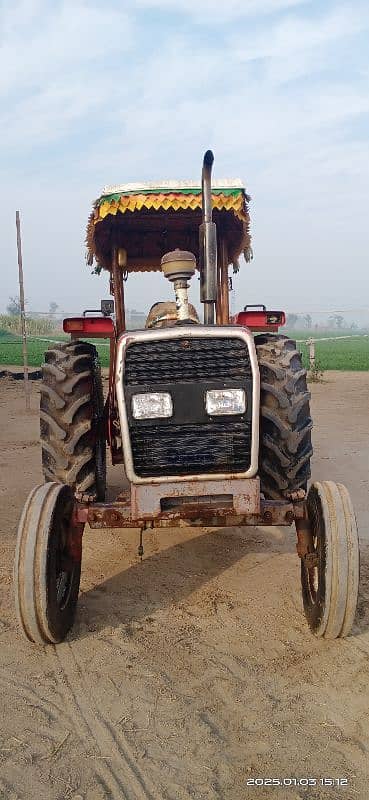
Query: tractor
[{"x": 209, "y": 422}]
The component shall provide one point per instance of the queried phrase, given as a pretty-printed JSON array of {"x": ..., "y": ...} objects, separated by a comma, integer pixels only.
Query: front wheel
[
  {"x": 330, "y": 585},
  {"x": 47, "y": 564}
]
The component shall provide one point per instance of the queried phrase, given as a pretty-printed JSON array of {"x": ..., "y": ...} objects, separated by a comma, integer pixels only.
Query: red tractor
[{"x": 209, "y": 423}]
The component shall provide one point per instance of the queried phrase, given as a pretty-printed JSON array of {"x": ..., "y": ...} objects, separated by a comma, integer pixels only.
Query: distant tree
[
  {"x": 291, "y": 320},
  {"x": 53, "y": 307},
  {"x": 340, "y": 321},
  {"x": 353, "y": 326},
  {"x": 308, "y": 321},
  {"x": 14, "y": 308},
  {"x": 337, "y": 321}
]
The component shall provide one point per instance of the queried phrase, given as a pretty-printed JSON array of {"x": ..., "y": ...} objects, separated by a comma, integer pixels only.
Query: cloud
[
  {"x": 299, "y": 45},
  {"x": 94, "y": 94},
  {"x": 174, "y": 115},
  {"x": 79, "y": 75},
  {"x": 293, "y": 34},
  {"x": 46, "y": 42},
  {"x": 59, "y": 65},
  {"x": 210, "y": 12}
]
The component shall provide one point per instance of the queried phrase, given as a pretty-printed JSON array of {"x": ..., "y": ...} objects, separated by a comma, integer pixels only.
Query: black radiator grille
[
  {"x": 178, "y": 360},
  {"x": 160, "y": 449},
  {"x": 190, "y": 442}
]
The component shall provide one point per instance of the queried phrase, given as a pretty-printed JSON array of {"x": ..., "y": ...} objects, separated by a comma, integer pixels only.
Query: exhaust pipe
[{"x": 208, "y": 244}]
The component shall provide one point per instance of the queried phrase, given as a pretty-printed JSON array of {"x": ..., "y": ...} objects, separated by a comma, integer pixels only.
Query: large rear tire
[
  {"x": 285, "y": 421},
  {"x": 71, "y": 419}
]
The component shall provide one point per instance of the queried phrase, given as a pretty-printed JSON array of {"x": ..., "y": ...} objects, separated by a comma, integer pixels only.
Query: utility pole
[{"x": 22, "y": 310}]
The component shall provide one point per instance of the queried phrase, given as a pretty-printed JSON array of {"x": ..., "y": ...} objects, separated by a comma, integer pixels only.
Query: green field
[
  {"x": 11, "y": 349},
  {"x": 343, "y": 354}
]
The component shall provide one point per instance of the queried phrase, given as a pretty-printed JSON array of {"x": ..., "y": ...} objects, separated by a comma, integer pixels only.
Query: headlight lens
[
  {"x": 152, "y": 405},
  {"x": 225, "y": 401}
]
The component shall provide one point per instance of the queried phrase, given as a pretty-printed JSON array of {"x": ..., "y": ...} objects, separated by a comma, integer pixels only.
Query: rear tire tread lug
[
  {"x": 70, "y": 409},
  {"x": 285, "y": 422}
]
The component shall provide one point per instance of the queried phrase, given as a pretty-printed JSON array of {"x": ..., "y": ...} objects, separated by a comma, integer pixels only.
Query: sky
[{"x": 103, "y": 93}]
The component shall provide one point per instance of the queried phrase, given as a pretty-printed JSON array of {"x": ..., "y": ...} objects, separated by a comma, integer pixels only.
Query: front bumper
[{"x": 220, "y": 503}]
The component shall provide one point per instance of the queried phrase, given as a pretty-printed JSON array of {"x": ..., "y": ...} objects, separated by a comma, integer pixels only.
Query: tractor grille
[
  {"x": 190, "y": 442},
  {"x": 178, "y": 360},
  {"x": 190, "y": 449}
]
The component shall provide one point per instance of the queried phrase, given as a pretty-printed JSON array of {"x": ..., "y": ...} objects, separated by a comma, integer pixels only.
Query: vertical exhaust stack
[{"x": 208, "y": 244}]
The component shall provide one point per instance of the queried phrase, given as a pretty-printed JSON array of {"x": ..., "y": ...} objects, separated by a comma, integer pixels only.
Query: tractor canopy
[{"x": 148, "y": 220}]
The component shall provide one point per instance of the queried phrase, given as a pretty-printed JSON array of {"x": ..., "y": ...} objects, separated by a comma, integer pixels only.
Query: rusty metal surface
[
  {"x": 305, "y": 542},
  {"x": 311, "y": 560},
  {"x": 74, "y": 537},
  {"x": 218, "y": 510},
  {"x": 146, "y": 498}
]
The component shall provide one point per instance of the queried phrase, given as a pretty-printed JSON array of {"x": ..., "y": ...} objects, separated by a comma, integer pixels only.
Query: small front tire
[
  {"x": 330, "y": 588},
  {"x": 47, "y": 564}
]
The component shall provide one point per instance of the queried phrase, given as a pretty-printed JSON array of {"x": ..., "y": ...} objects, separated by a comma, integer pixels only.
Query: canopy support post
[
  {"x": 118, "y": 288},
  {"x": 222, "y": 304},
  {"x": 22, "y": 311}
]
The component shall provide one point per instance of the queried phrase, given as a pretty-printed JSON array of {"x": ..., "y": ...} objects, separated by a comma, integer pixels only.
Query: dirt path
[{"x": 193, "y": 672}]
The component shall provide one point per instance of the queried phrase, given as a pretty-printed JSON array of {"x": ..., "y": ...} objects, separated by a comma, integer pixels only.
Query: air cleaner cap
[{"x": 178, "y": 264}]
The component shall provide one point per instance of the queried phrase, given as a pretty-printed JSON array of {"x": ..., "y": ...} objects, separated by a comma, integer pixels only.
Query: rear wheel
[
  {"x": 330, "y": 585},
  {"x": 285, "y": 421},
  {"x": 71, "y": 419}
]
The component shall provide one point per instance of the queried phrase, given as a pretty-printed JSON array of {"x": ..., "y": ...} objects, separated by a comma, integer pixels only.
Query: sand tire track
[{"x": 118, "y": 768}]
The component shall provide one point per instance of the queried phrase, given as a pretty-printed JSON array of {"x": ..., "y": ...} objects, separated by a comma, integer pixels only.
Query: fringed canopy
[{"x": 148, "y": 221}]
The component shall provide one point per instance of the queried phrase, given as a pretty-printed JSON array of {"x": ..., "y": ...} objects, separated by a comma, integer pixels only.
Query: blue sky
[{"x": 101, "y": 93}]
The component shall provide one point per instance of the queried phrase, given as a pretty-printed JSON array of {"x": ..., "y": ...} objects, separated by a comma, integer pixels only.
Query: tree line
[{"x": 335, "y": 321}]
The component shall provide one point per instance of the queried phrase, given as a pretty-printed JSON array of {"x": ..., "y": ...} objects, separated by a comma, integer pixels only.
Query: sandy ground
[{"x": 194, "y": 672}]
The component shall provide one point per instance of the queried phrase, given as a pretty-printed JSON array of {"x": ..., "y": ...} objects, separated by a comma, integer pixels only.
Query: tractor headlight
[
  {"x": 225, "y": 401},
  {"x": 152, "y": 405}
]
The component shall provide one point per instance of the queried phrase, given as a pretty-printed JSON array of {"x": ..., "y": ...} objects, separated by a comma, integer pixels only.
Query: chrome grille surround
[{"x": 186, "y": 332}]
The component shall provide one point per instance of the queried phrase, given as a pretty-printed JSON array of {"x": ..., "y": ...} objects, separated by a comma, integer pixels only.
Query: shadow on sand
[{"x": 169, "y": 576}]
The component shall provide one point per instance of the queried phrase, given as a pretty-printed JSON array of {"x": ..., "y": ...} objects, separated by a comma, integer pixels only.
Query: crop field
[
  {"x": 341, "y": 354},
  {"x": 11, "y": 348}
]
